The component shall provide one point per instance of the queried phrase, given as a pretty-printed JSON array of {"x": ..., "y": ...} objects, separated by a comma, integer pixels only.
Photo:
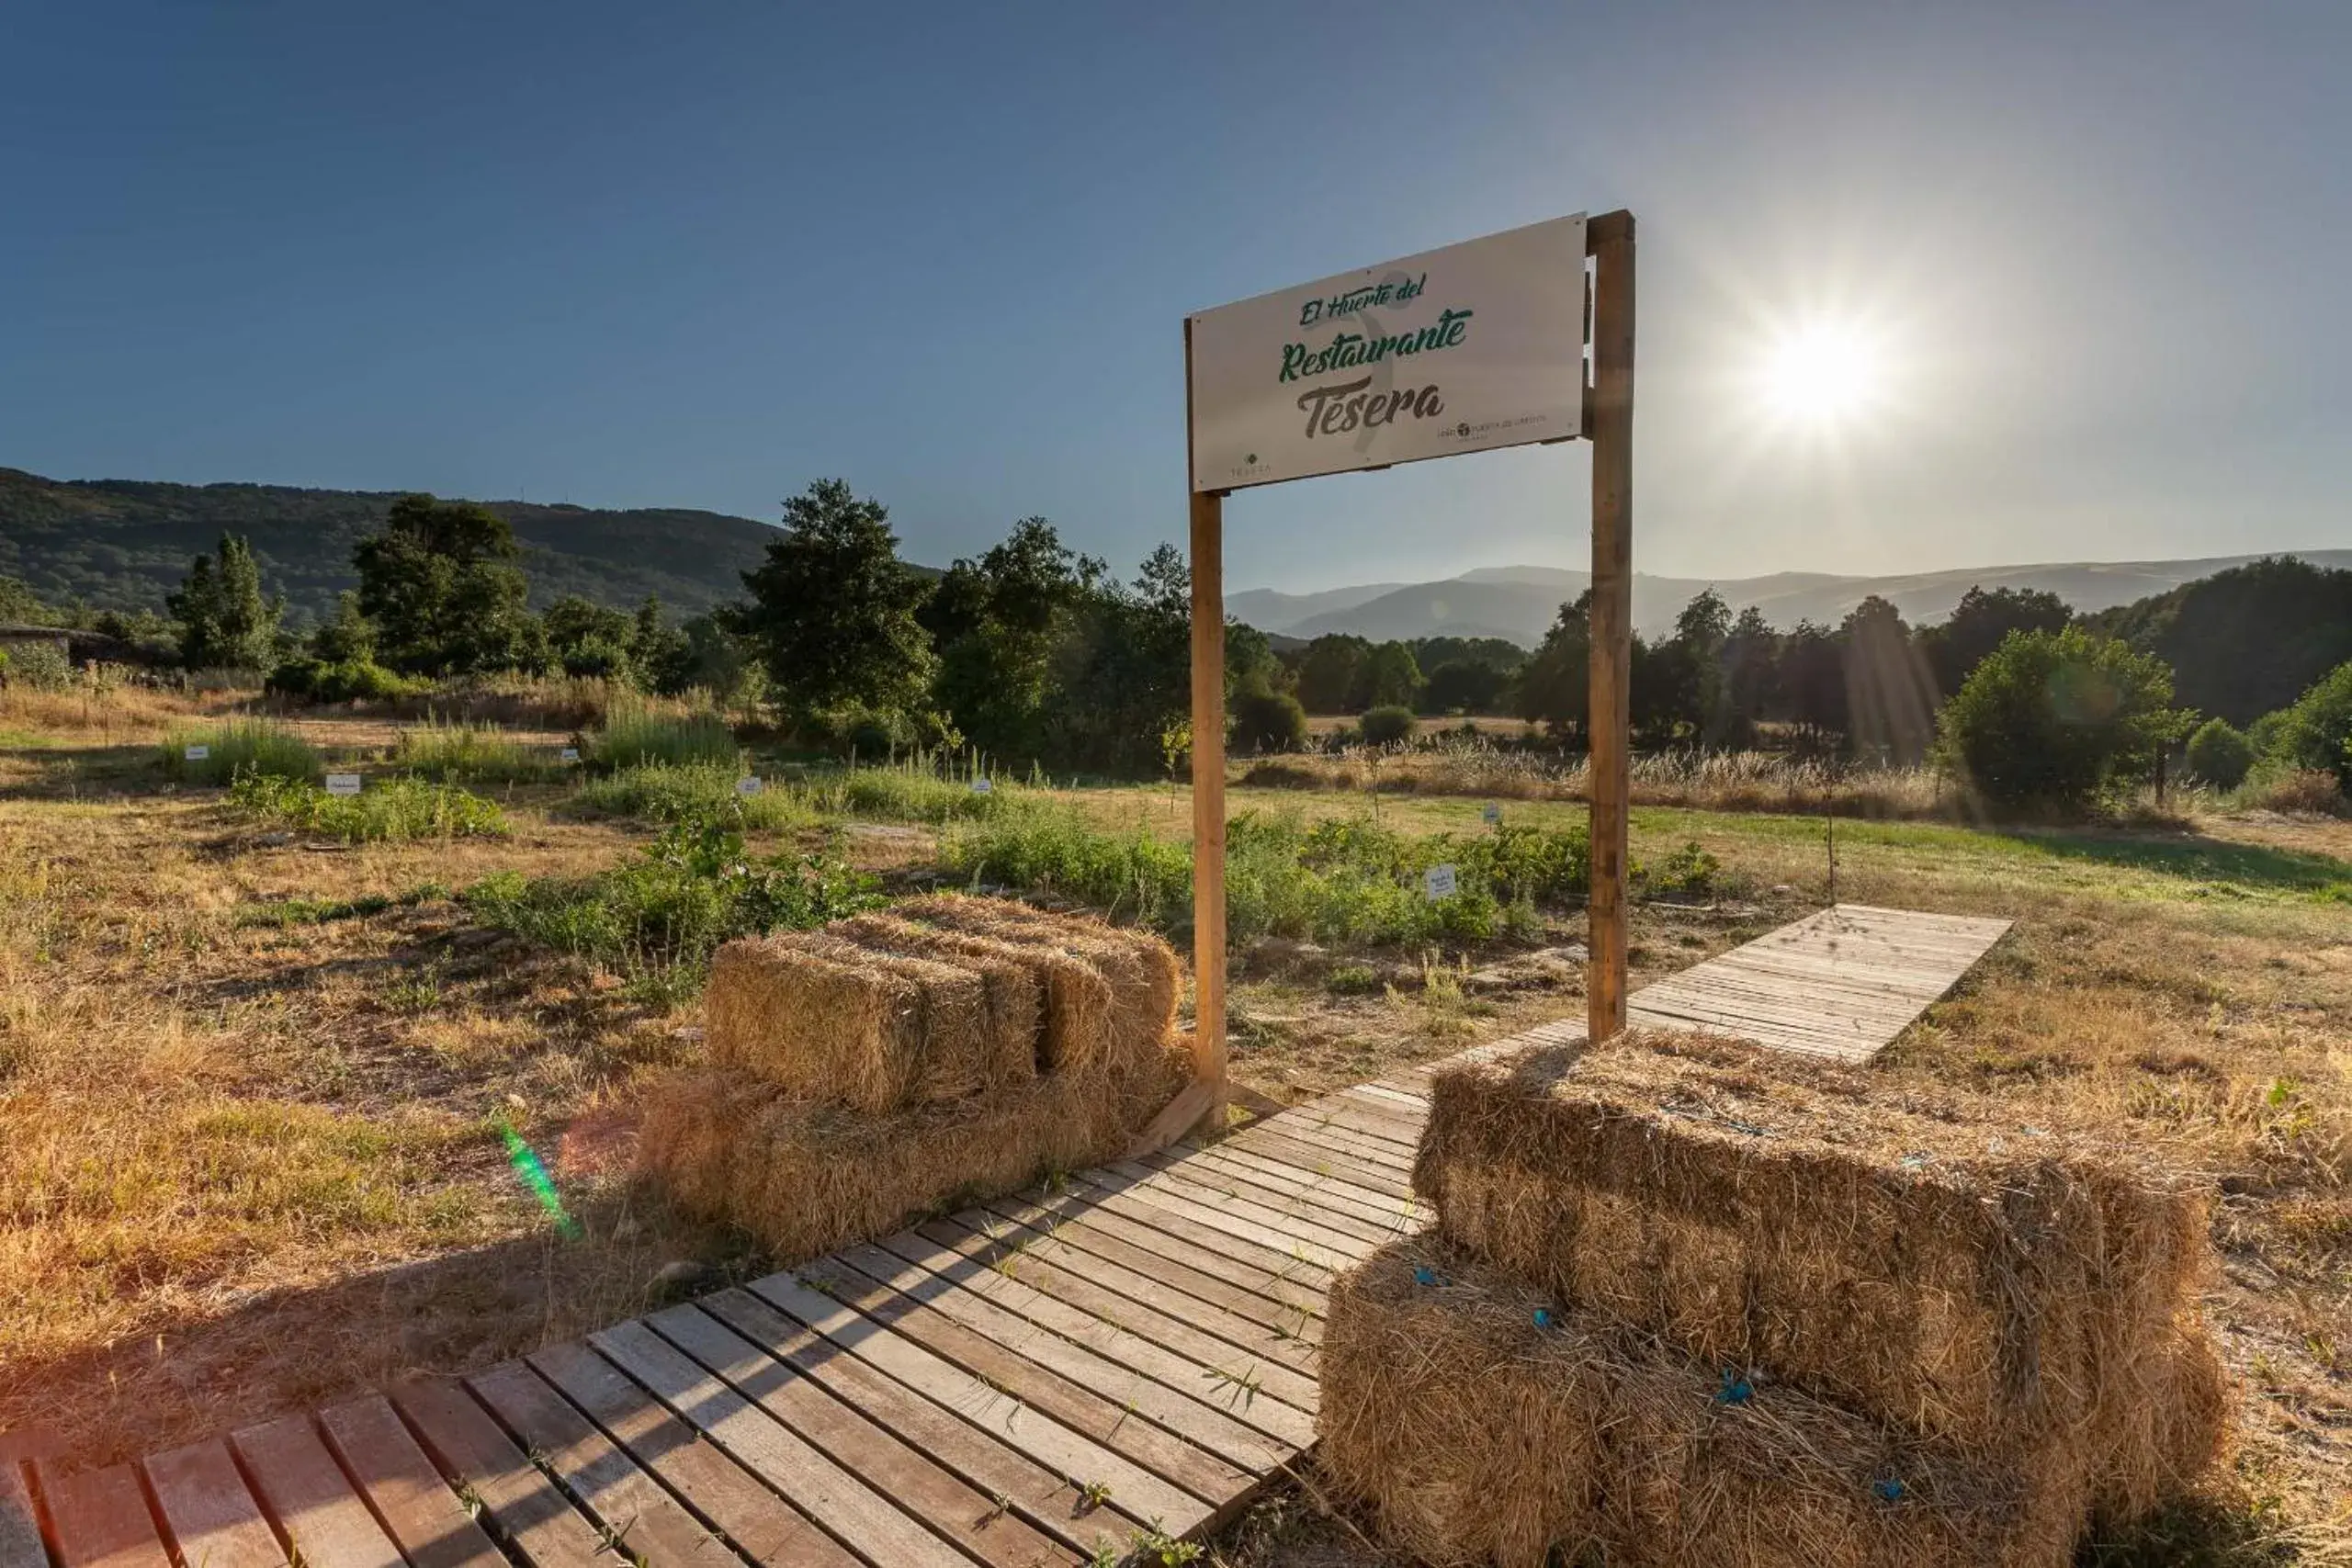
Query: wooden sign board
[{"x": 1498, "y": 342}]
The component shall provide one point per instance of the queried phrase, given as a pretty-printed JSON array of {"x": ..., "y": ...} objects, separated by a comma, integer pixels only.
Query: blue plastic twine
[
  {"x": 1543, "y": 1318},
  {"x": 1424, "y": 1275},
  {"x": 1889, "y": 1490},
  {"x": 1736, "y": 1390}
]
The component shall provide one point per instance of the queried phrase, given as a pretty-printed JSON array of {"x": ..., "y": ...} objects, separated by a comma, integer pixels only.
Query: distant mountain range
[
  {"x": 123, "y": 543},
  {"x": 1518, "y": 602}
]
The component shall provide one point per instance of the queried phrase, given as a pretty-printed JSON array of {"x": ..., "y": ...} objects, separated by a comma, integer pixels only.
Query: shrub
[
  {"x": 1387, "y": 726},
  {"x": 2317, "y": 732},
  {"x": 634, "y": 734},
  {"x": 657, "y": 918},
  {"x": 387, "y": 811},
  {"x": 478, "y": 753},
  {"x": 660, "y": 792},
  {"x": 2057, "y": 719},
  {"x": 240, "y": 748},
  {"x": 2220, "y": 755},
  {"x": 1269, "y": 721},
  {"x": 346, "y": 681},
  {"x": 2292, "y": 789},
  {"x": 39, "y": 665}
]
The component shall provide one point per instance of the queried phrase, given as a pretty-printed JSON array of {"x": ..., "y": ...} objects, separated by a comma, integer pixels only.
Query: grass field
[{"x": 254, "y": 1076}]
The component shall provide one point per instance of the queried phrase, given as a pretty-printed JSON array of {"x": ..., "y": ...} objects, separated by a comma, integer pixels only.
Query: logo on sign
[
  {"x": 342, "y": 784},
  {"x": 1438, "y": 883}
]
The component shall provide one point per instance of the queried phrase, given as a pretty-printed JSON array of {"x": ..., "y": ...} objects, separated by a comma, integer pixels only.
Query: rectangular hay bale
[
  {"x": 807, "y": 1177},
  {"x": 823, "y": 1017},
  {"x": 1996, "y": 1287},
  {"x": 1071, "y": 997},
  {"x": 1478, "y": 1435},
  {"x": 1141, "y": 971}
]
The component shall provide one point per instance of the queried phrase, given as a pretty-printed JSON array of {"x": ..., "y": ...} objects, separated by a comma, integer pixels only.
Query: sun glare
[{"x": 1821, "y": 374}]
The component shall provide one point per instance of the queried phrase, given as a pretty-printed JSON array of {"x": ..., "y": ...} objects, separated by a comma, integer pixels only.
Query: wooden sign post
[
  {"x": 1466, "y": 349},
  {"x": 1609, "y": 422}
]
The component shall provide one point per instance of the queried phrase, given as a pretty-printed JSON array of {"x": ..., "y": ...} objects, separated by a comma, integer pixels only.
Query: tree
[
  {"x": 1979, "y": 623},
  {"x": 1813, "y": 683},
  {"x": 999, "y": 622},
  {"x": 1556, "y": 687},
  {"x": 1751, "y": 666},
  {"x": 224, "y": 621},
  {"x": 440, "y": 583},
  {"x": 347, "y": 636},
  {"x": 2246, "y": 641},
  {"x": 1331, "y": 673},
  {"x": 2220, "y": 755},
  {"x": 2318, "y": 729},
  {"x": 588, "y": 638},
  {"x": 1126, "y": 673},
  {"x": 657, "y": 651},
  {"x": 833, "y": 610},
  {"x": 2058, "y": 719},
  {"x": 1465, "y": 685},
  {"x": 1268, "y": 720},
  {"x": 1391, "y": 677},
  {"x": 1889, "y": 696},
  {"x": 1387, "y": 725}
]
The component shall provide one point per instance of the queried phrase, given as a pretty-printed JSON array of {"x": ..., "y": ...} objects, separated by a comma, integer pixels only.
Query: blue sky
[{"x": 701, "y": 254}]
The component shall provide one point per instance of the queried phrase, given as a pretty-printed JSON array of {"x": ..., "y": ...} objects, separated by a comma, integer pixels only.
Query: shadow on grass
[
  {"x": 2192, "y": 857},
  {"x": 51, "y": 771},
  {"x": 2197, "y": 1533}
]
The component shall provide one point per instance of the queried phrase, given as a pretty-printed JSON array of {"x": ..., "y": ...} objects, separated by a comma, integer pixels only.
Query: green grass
[
  {"x": 287, "y": 912},
  {"x": 663, "y": 792},
  {"x": 383, "y": 812},
  {"x": 633, "y": 734},
  {"x": 909, "y": 792},
  {"x": 457, "y": 752},
  {"x": 241, "y": 747},
  {"x": 657, "y": 919}
]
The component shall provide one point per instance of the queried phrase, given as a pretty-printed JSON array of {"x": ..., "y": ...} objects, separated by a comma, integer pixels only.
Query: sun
[{"x": 1824, "y": 374}]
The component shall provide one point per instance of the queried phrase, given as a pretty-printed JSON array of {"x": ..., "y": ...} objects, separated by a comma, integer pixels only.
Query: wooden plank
[
  {"x": 305, "y": 1494},
  {"x": 909, "y": 1480},
  {"x": 1320, "y": 1161},
  {"x": 99, "y": 1518},
  {"x": 432, "y": 1528},
  {"x": 1192, "y": 1104},
  {"x": 1383, "y": 1217},
  {"x": 849, "y": 1510},
  {"x": 1138, "y": 1494},
  {"x": 20, "y": 1542},
  {"x": 1217, "y": 1235},
  {"x": 1287, "y": 1215},
  {"x": 1208, "y": 779},
  {"x": 714, "y": 1485},
  {"x": 1372, "y": 1119},
  {"x": 1381, "y": 1201},
  {"x": 1173, "y": 1280},
  {"x": 1116, "y": 1366},
  {"x": 1085, "y": 1284},
  {"x": 997, "y": 1470},
  {"x": 538, "y": 1522},
  {"x": 1259, "y": 1186},
  {"x": 1610, "y": 427},
  {"x": 1275, "y": 1225},
  {"x": 1342, "y": 1129},
  {"x": 209, "y": 1512},
  {"x": 1115, "y": 1235}
]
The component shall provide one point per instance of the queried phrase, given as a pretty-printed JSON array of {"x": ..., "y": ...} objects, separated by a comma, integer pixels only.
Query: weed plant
[
  {"x": 656, "y": 919},
  {"x": 635, "y": 733},
  {"x": 456, "y": 751},
  {"x": 387, "y": 811},
  {"x": 244, "y": 747},
  {"x": 665, "y": 792}
]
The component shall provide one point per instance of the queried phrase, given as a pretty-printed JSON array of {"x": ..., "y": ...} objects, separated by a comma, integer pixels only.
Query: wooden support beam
[
  {"x": 1208, "y": 778},
  {"x": 1610, "y": 424}
]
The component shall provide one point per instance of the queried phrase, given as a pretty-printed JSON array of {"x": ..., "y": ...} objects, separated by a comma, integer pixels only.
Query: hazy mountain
[
  {"x": 122, "y": 544},
  {"x": 1518, "y": 602}
]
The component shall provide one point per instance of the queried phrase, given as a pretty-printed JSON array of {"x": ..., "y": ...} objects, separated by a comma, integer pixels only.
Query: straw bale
[
  {"x": 1476, "y": 1436},
  {"x": 821, "y": 1016},
  {"x": 1142, "y": 970},
  {"x": 1992, "y": 1286},
  {"x": 808, "y": 1176},
  {"x": 1069, "y": 994}
]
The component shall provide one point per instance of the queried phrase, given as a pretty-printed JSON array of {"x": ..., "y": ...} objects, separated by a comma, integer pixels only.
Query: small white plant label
[
  {"x": 1438, "y": 882},
  {"x": 748, "y": 784},
  {"x": 342, "y": 784},
  {"x": 1493, "y": 814},
  {"x": 983, "y": 786},
  {"x": 571, "y": 753},
  {"x": 198, "y": 753}
]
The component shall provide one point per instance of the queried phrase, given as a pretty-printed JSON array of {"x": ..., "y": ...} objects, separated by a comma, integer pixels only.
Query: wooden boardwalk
[{"x": 1030, "y": 1382}]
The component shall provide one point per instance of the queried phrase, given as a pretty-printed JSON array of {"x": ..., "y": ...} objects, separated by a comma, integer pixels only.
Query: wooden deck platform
[{"x": 1028, "y": 1382}]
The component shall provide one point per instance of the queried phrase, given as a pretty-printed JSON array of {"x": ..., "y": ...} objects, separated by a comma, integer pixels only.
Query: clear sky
[{"x": 2096, "y": 256}]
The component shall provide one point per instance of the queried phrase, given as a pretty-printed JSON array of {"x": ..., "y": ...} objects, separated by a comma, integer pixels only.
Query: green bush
[
  {"x": 241, "y": 747},
  {"x": 2317, "y": 733},
  {"x": 386, "y": 811},
  {"x": 342, "y": 681},
  {"x": 455, "y": 751},
  {"x": 660, "y": 792},
  {"x": 2057, "y": 720},
  {"x": 1268, "y": 721},
  {"x": 658, "y": 918},
  {"x": 1388, "y": 725},
  {"x": 634, "y": 734},
  {"x": 2220, "y": 755},
  {"x": 39, "y": 665}
]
